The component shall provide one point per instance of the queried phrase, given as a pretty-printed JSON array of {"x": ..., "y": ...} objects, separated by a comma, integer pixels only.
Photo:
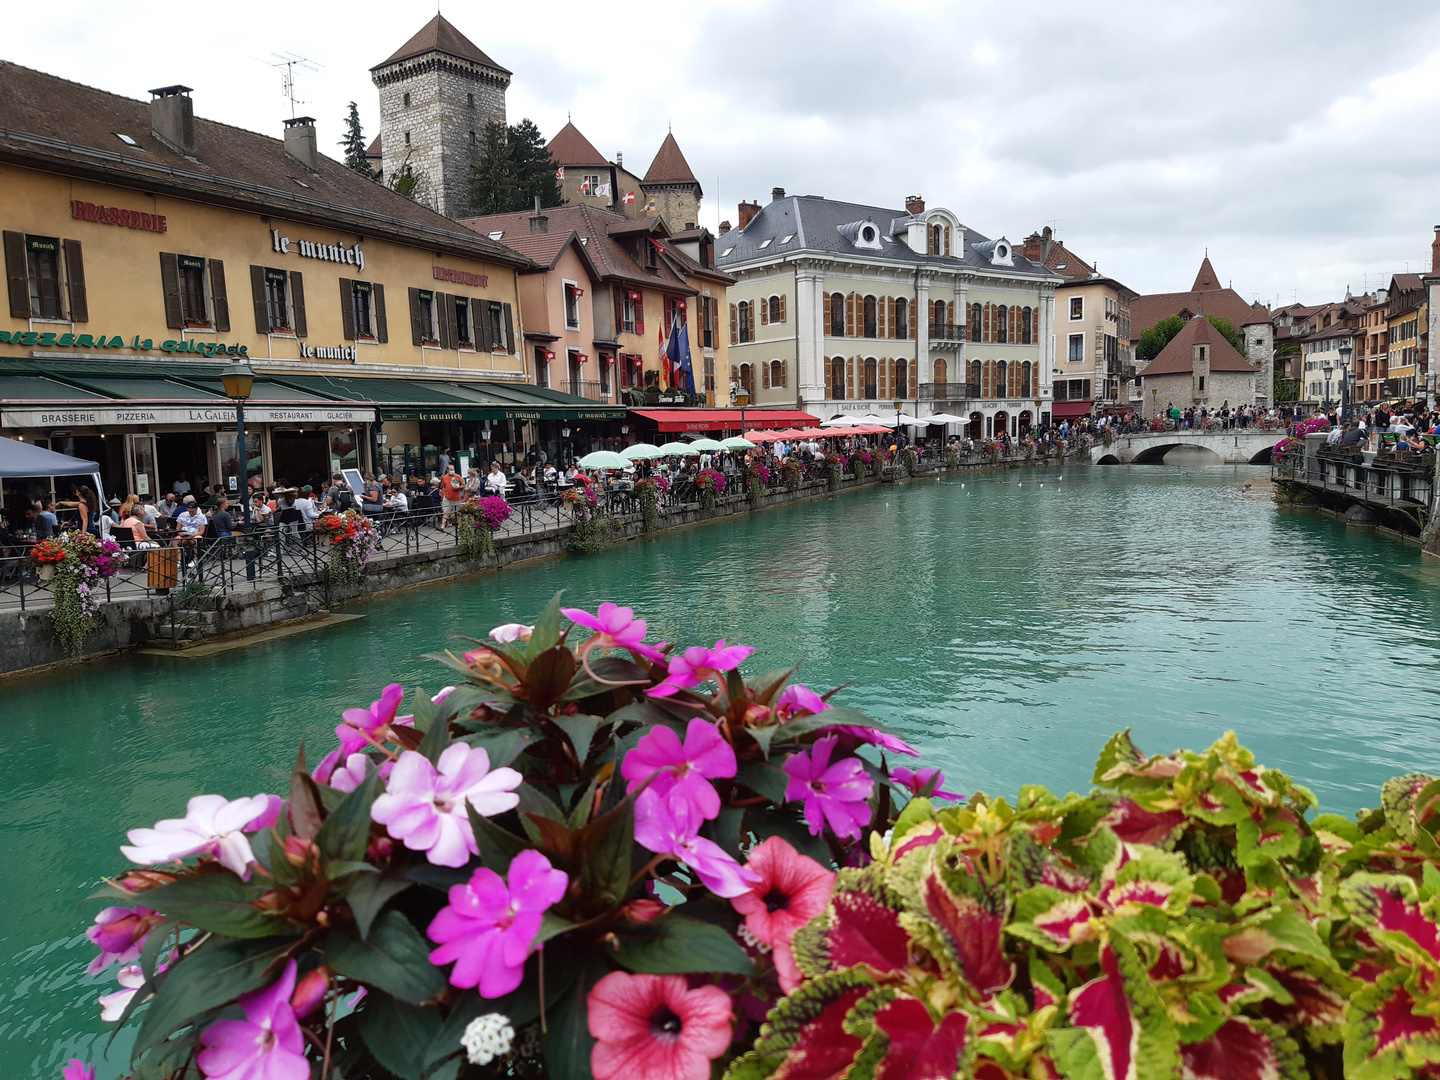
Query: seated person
[
  {"x": 136, "y": 524},
  {"x": 191, "y": 522}
]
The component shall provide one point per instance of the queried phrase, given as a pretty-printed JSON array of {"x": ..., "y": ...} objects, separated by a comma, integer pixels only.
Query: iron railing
[
  {"x": 949, "y": 391},
  {"x": 947, "y": 333}
]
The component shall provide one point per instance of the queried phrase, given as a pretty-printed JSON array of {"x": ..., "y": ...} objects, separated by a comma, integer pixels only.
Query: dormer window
[
  {"x": 868, "y": 234},
  {"x": 862, "y": 234}
]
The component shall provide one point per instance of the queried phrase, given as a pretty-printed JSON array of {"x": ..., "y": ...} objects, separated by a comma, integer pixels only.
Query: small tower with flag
[{"x": 670, "y": 188}]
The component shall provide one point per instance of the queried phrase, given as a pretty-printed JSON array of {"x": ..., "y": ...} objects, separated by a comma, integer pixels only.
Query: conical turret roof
[{"x": 670, "y": 166}]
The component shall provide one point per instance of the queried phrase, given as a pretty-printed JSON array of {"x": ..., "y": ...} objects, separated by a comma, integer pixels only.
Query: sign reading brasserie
[
  {"x": 51, "y": 340},
  {"x": 116, "y": 215},
  {"x": 309, "y": 249},
  {"x": 119, "y": 413}
]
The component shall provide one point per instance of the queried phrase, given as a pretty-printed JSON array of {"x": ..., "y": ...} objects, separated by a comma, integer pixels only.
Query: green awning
[{"x": 406, "y": 399}]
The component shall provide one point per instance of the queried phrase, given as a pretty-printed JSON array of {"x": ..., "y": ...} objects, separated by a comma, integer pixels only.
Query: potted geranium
[
  {"x": 476, "y": 522},
  {"x": 353, "y": 542},
  {"x": 74, "y": 563}
]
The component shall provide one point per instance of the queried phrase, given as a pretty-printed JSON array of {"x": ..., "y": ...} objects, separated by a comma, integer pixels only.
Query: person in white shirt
[
  {"x": 397, "y": 501},
  {"x": 550, "y": 474},
  {"x": 1336, "y": 433},
  {"x": 495, "y": 480},
  {"x": 306, "y": 505},
  {"x": 181, "y": 487}
]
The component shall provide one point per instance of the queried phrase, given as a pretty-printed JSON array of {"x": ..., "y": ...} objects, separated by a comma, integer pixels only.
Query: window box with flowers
[
  {"x": 710, "y": 484},
  {"x": 476, "y": 523},
  {"x": 353, "y": 542},
  {"x": 73, "y": 564}
]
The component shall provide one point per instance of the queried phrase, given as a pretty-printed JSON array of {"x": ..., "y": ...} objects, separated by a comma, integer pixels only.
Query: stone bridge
[{"x": 1247, "y": 446}]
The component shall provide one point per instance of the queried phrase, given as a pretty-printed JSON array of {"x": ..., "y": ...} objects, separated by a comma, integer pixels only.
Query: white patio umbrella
[
  {"x": 906, "y": 419},
  {"x": 642, "y": 451},
  {"x": 736, "y": 442},
  {"x": 707, "y": 444},
  {"x": 945, "y": 418},
  {"x": 839, "y": 421},
  {"x": 604, "y": 459},
  {"x": 679, "y": 448}
]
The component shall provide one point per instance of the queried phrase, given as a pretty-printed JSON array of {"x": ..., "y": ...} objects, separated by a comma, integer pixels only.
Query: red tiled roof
[
  {"x": 1146, "y": 311},
  {"x": 1205, "y": 280},
  {"x": 570, "y": 148},
  {"x": 1060, "y": 259},
  {"x": 439, "y": 35},
  {"x": 669, "y": 166},
  {"x": 374, "y": 149},
  {"x": 1178, "y": 357}
]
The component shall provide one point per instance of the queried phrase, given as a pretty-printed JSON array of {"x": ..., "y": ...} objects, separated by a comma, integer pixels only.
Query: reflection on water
[{"x": 1007, "y": 625}]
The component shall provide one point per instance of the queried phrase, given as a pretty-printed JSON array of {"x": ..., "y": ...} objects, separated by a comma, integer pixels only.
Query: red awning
[
  {"x": 725, "y": 419},
  {"x": 1069, "y": 410}
]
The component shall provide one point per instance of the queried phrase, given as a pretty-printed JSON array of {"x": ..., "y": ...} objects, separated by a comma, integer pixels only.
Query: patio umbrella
[
  {"x": 604, "y": 459},
  {"x": 707, "y": 444},
  {"x": 679, "y": 448},
  {"x": 945, "y": 418},
  {"x": 838, "y": 421},
  {"x": 641, "y": 451},
  {"x": 735, "y": 442},
  {"x": 764, "y": 436}
]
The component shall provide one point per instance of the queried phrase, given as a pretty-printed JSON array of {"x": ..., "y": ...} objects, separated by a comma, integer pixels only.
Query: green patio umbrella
[
  {"x": 642, "y": 451},
  {"x": 737, "y": 442},
  {"x": 604, "y": 459},
  {"x": 707, "y": 444},
  {"x": 679, "y": 448}
]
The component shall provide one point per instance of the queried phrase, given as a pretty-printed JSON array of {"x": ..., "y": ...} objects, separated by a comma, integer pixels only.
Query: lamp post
[
  {"x": 1346, "y": 351},
  {"x": 238, "y": 379},
  {"x": 1327, "y": 370}
]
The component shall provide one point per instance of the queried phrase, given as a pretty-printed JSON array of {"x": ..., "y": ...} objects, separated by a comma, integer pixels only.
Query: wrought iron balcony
[
  {"x": 949, "y": 391},
  {"x": 947, "y": 335},
  {"x": 591, "y": 391}
]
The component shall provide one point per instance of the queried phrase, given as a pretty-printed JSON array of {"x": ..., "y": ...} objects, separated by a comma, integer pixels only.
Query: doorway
[
  {"x": 140, "y": 466},
  {"x": 300, "y": 457},
  {"x": 183, "y": 454}
]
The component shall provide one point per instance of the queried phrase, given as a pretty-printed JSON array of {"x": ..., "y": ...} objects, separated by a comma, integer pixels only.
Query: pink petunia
[
  {"x": 792, "y": 890},
  {"x": 682, "y": 773},
  {"x": 668, "y": 829},
  {"x": 698, "y": 664},
  {"x": 614, "y": 628},
  {"x": 654, "y": 1027},
  {"x": 120, "y": 934},
  {"x": 488, "y": 927},
  {"x": 424, "y": 806},
  {"x": 212, "y": 825},
  {"x": 917, "y": 780},
  {"x": 835, "y": 794},
  {"x": 266, "y": 1045},
  {"x": 796, "y": 701}
]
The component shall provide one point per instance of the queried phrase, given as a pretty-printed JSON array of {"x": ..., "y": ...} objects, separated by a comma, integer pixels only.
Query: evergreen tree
[
  {"x": 1153, "y": 341},
  {"x": 491, "y": 189},
  {"x": 511, "y": 167},
  {"x": 354, "y": 145},
  {"x": 534, "y": 168}
]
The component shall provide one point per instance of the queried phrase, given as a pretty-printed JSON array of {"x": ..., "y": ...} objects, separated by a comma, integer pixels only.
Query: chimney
[
  {"x": 1048, "y": 235},
  {"x": 747, "y": 212},
  {"x": 619, "y": 160},
  {"x": 777, "y": 193},
  {"x": 914, "y": 204},
  {"x": 539, "y": 223},
  {"x": 724, "y": 227},
  {"x": 300, "y": 141},
  {"x": 172, "y": 117},
  {"x": 1435, "y": 252}
]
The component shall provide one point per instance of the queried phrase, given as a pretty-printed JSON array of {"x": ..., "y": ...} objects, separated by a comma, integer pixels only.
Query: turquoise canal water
[{"x": 1007, "y": 626}]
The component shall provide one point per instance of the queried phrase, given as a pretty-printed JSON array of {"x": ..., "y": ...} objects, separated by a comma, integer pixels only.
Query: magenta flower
[
  {"x": 131, "y": 979},
  {"x": 488, "y": 928},
  {"x": 698, "y": 664},
  {"x": 266, "y": 1045},
  {"x": 835, "y": 794},
  {"x": 211, "y": 826},
  {"x": 273, "y": 805},
  {"x": 352, "y": 774},
  {"x": 918, "y": 779},
  {"x": 361, "y": 725},
  {"x": 76, "y": 1069},
  {"x": 796, "y": 701},
  {"x": 424, "y": 807},
  {"x": 614, "y": 628},
  {"x": 682, "y": 773},
  {"x": 120, "y": 933},
  {"x": 853, "y": 735},
  {"x": 668, "y": 829}
]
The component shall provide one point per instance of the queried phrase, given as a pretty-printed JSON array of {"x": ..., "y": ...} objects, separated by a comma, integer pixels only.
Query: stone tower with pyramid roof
[
  {"x": 437, "y": 92},
  {"x": 671, "y": 190}
]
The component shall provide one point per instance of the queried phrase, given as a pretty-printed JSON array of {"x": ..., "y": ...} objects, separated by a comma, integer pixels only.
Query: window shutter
[
  {"x": 619, "y": 297},
  {"x": 828, "y": 324},
  {"x": 850, "y": 314},
  {"x": 17, "y": 275},
  {"x": 262, "y": 311},
  {"x": 484, "y": 325},
  {"x": 377, "y": 300},
  {"x": 881, "y": 370},
  {"x": 445, "y": 310},
  {"x": 509, "y": 328},
  {"x": 850, "y": 378},
  {"x": 734, "y": 374},
  {"x": 416, "y": 331},
  {"x": 764, "y": 311},
  {"x": 219, "y": 298},
  {"x": 914, "y": 318},
  {"x": 297, "y": 306},
  {"x": 915, "y": 377},
  {"x": 75, "y": 282},
  {"x": 640, "y": 313},
  {"x": 782, "y": 307},
  {"x": 347, "y": 302},
  {"x": 764, "y": 376},
  {"x": 986, "y": 333},
  {"x": 890, "y": 323},
  {"x": 170, "y": 287},
  {"x": 1014, "y": 335},
  {"x": 734, "y": 326},
  {"x": 947, "y": 240}
]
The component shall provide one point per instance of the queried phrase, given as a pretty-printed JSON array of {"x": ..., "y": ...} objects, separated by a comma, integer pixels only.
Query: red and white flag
[
  {"x": 560, "y": 173},
  {"x": 628, "y": 197}
]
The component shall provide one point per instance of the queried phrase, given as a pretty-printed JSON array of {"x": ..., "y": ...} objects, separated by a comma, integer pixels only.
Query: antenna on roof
[{"x": 290, "y": 61}]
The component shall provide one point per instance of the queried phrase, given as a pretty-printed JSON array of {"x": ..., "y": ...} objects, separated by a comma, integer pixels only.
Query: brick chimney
[
  {"x": 300, "y": 141},
  {"x": 914, "y": 204},
  {"x": 172, "y": 117},
  {"x": 777, "y": 193},
  {"x": 747, "y": 212},
  {"x": 1435, "y": 252},
  {"x": 724, "y": 227},
  {"x": 539, "y": 223}
]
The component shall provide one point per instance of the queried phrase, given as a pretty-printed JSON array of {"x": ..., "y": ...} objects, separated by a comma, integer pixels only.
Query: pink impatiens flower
[
  {"x": 488, "y": 928},
  {"x": 361, "y": 728},
  {"x": 792, "y": 890},
  {"x": 266, "y": 1045},
  {"x": 131, "y": 979},
  {"x": 352, "y": 774},
  {"x": 682, "y": 773},
  {"x": 509, "y": 632},
  {"x": 795, "y": 701},
  {"x": 854, "y": 735},
  {"x": 668, "y": 829},
  {"x": 834, "y": 794},
  {"x": 614, "y": 628},
  {"x": 917, "y": 780},
  {"x": 654, "y": 1027},
  {"x": 75, "y": 1069},
  {"x": 120, "y": 933},
  {"x": 698, "y": 664},
  {"x": 424, "y": 807},
  {"x": 211, "y": 826}
]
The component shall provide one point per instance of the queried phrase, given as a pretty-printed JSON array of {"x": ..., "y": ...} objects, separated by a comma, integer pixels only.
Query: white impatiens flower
[{"x": 487, "y": 1037}]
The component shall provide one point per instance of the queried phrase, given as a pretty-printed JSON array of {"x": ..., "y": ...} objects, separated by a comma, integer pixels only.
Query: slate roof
[
  {"x": 439, "y": 35},
  {"x": 572, "y": 149},
  {"x": 669, "y": 166},
  {"x": 64, "y": 127},
  {"x": 813, "y": 223},
  {"x": 1178, "y": 358}
]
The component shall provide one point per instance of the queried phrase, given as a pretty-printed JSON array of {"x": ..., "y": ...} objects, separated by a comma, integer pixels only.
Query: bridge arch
[
  {"x": 1263, "y": 457},
  {"x": 1153, "y": 455},
  {"x": 1108, "y": 459}
]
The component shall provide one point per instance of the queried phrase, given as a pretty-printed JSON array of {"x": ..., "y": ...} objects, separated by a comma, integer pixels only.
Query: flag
[
  {"x": 585, "y": 186},
  {"x": 628, "y": 198},
  {"x": 664, "y": 356},
  {"x": 679, "y": 356},
  {"x": 650, "y": 203},
  {"x": 560, "y": 173},
  {"x": 658, "y": 247},
  {"x": 602, "y": 189}
]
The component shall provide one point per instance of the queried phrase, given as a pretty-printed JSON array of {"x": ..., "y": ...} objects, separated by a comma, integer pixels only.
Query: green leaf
[
  {"x": 548, "y": 676},
  {"x": 221, "y": 903},
  {"x": 568, "y": 1042},
  {"x": 307, "y": 809},
  {"x": 435, "y": 742},
  {"x": 546, "y": 634},
  {"x": 764, "y": 778},
  {"x": 501, "y": 745},
  {"x": 346, "y": 832},
  {"x": 676, "y": 944},
  {"x": 768, "y": 685},
  {"x": 160, "y": 939},
  {"x": 399, "y": 1034},
  {"x": 728, "y": 829},
  {"x": 836, "y": 714},
  {"x": 369, "y": 894},
  {"x": 216, "y": 972},
  {"x": 423, "y": 710},
  {"x": 580, "y": 730},
  {"x": 606, "y": 873},
  {"x": 734, "y": 685},
  {"x": 551, "y": 925},
  {"x": 497, "y": 846},
  {"x": 614, "y": 669},
  {"x": 394, "y": 958},
  {"x": 765, "y": 822}
]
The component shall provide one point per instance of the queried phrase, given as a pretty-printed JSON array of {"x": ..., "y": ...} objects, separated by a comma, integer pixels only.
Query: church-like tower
[
  {"x": 671, "y": 190},
  {"x": 437, "y": 92}
]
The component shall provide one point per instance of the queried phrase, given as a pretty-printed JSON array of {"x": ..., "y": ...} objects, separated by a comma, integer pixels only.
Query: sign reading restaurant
[{"x": 117, "y": 414}]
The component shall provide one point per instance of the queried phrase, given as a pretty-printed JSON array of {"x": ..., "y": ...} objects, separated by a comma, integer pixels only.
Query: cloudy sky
[{"x": 1294, "y": 140}]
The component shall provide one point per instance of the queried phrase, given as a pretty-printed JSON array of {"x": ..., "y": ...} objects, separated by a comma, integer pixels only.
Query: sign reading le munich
[{"x": 144, "y": 414}]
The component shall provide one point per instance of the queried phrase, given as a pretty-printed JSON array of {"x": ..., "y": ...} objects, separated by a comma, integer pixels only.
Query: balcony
[
  {"x": 591, "y": 391},
  {"x": 949, "y": 391},
  {"x": 947, "y": 335},
  {"x": 1120, "y": 368}
]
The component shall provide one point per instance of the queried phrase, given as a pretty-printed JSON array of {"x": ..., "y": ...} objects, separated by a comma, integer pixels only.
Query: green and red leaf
[
  {"x": 974, "y": 930},
  {"x": 1241, "y": 1050},
  {"x": 919, "y": 1048}
]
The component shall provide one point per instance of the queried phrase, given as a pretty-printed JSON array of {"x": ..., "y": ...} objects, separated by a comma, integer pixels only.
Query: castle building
[
  {"x": 669, "y": 189},
  {"x": 437, "y": 93},
  {"x": 1198, "y": 369}
]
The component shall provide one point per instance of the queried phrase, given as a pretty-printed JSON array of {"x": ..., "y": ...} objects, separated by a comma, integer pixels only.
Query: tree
[
  {"x": 354, "y": 145},
  {"x": 1153, "y": 341},
  {"x": 512, "y": 166}
]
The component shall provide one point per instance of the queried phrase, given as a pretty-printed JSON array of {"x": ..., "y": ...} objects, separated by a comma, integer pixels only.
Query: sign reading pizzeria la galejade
[{"x": 48, "y": 340}]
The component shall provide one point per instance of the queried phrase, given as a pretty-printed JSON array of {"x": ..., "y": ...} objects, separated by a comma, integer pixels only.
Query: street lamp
[
  {"x": 1346, "y": 351},
  {"x": 1327, "y": 369},
  {"x": 238, "y": 380}
]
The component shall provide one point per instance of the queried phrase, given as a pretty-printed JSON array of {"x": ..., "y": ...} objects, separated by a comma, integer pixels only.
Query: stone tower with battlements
[
  {"x": 671, "y": 190},
  {"x": 437, "y": 92}
]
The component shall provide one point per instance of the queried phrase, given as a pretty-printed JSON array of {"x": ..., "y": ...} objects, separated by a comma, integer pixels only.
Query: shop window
[
  {"x": 193, "y": 309},
  {"x": 42, "y": 259}
]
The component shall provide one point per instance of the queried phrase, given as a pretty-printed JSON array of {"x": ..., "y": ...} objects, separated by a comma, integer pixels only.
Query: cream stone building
[{"x": 1198, "y": 369}]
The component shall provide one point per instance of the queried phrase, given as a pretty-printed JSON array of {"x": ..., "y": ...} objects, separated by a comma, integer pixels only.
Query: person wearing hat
[{"x": 191, "y": 523}]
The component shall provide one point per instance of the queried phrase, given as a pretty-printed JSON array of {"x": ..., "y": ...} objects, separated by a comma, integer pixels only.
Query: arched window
[
  {"x": 942, "y": 373},
  {"x": 870, "y": 393},
  {"x": 777, "y": 373},
  {"x": 1027, "y": 334},
  {"x": 837, "y": 315},
  {"x": 937, "y": 315},
  {"x": 937, "y": 237},
  {"x": 1002, "y": 314},
  {"x": 901, "y": 389},
  {"x": 902, "y": 317},
  {"x": 1026, "y": 389},
  {"x": 975, "y": 317},
  {"x": 747, "y": 327},
  {"x": 777, "y": 310},
  {"x": 747, "y": 379},
  {"x": 1001, "y": 386},
  {"x": 837, "y": 379},
  {"x": 974, "y": 388},
  {"x": 872, "y": 323}
]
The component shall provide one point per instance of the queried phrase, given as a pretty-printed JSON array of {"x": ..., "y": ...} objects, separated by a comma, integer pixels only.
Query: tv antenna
[{"x": 288, "y": 62}]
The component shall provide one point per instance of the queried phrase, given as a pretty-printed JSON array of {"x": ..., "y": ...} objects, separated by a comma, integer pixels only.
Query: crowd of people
[{"x": 1382, "y": 428}]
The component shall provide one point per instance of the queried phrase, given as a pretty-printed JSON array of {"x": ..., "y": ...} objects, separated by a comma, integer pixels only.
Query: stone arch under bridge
[{"x": 1235, "y": 447}]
